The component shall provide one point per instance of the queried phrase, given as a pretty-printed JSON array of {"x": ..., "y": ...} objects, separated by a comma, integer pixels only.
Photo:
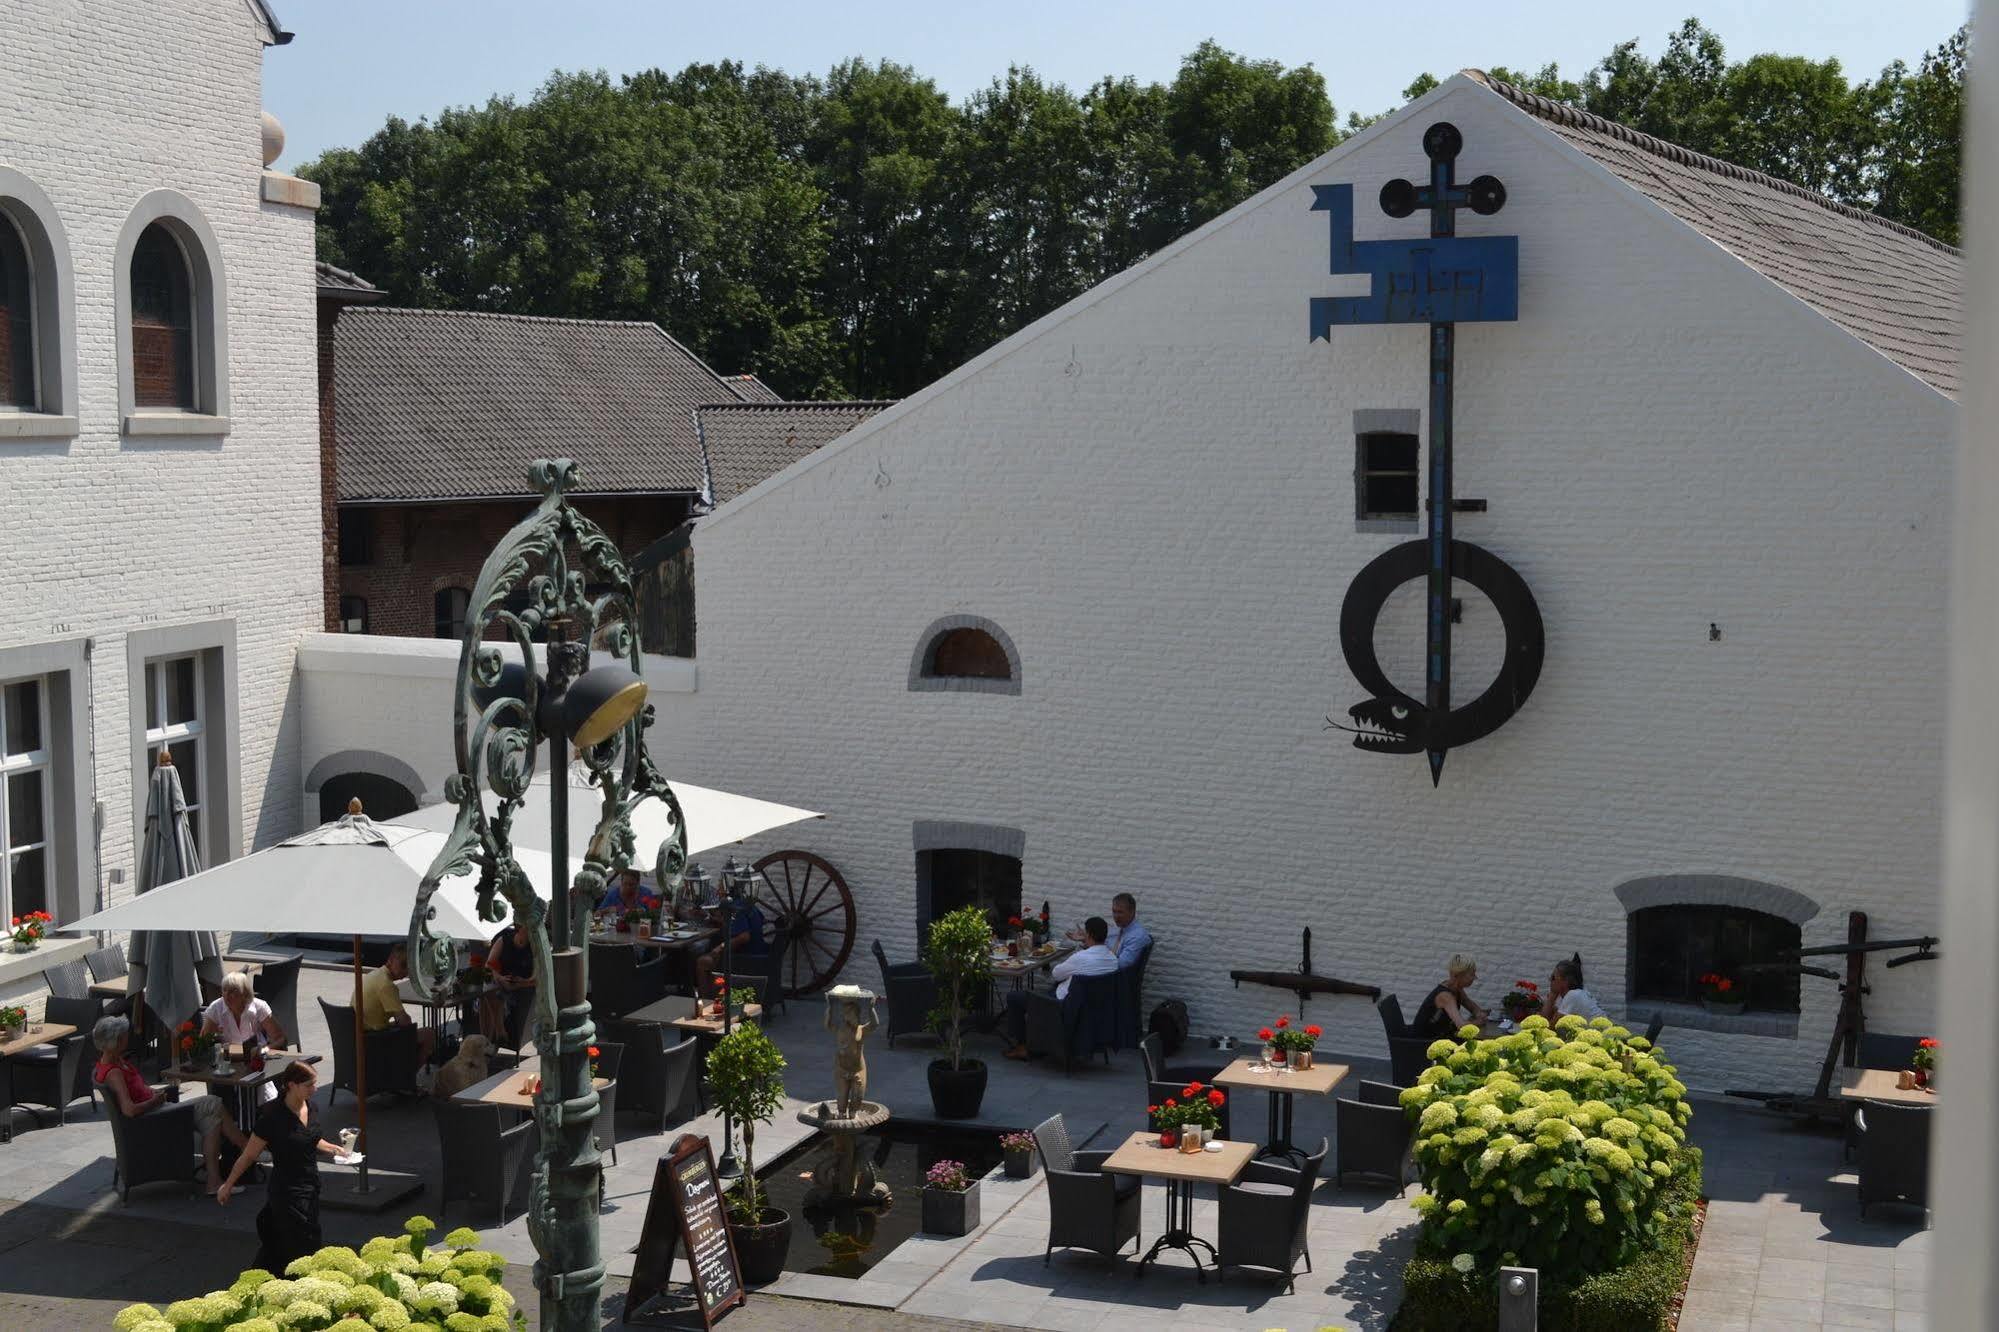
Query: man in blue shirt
[
  {"x": 627, "y": 894},
  {"x": 747, "y": 927},
  {"x": 1129, "y": 939}
]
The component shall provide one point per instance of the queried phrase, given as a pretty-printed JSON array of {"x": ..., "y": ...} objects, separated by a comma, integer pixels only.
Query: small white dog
[{"x": 463, "y": 1069}]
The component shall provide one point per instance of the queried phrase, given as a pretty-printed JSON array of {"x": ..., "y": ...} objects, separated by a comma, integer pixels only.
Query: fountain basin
[{"x": 824, "y": 1116}]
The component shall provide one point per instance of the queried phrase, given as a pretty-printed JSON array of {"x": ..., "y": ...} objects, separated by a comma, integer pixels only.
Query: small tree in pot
[
  {"x": 746, "y": 1082},
  {"x": 958, "y": 953}
]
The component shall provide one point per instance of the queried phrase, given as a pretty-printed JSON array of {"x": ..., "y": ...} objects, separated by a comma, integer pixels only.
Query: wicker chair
[
  {"x": 55, "y": 1075},
  {"x": 70, "y": 980},
  {"x": 765, "y": 975},
  {"x": 154, "y": 1148},
  {"x": 277, "y": 985},
  {"x": 1373, "y": 1134},
  {"x": 479, "y": 1158},
  {"x": 1264, "y": 1217},
  {"x": 1131, "y": 998},
  {"x": 1163, "y": 1080},
  {"x": 910, "y": 991},
  {"x": 1087, "y": 1209},
  {"x": 392, "y": 1056},
  {"x": 1080, "y": 1024},
  {"x": 656, "y": 1076},
  {"x": 1894, "y": 1153},
  {"x": 610, "y": 1058},
  {"x": 619, "y": 982},
  {"x": 1881, "y": 1050},
  {"x": 1392, "y": 1022},
  {"x": 1408, "y": 1056}
]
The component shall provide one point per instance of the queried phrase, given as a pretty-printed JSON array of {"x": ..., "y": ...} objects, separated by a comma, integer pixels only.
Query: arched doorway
[{"x": 382, "y": 798}]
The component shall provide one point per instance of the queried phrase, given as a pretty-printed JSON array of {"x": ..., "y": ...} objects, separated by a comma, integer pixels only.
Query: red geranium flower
[
  {"x": 1215, "y": 1098},
  {"x": 1267, "y": 1034},
  {"x": 187, "y": 1042},
  {"x": 721, "y": 982},
  {"x": 1314, "y": 1032},
  {"x": 1013, "y": 921},
  {"x": 1191, "y": 1089},
  {"x": 1283, "y": 1022},
  {"x": 593, "y": 1052},
  {"x": 1170, "y": 1103},
  {"x": 1151, "y": 1109},
  {"x": 186, "y": 1026},
  {"x": 1927, "y": 1043}
]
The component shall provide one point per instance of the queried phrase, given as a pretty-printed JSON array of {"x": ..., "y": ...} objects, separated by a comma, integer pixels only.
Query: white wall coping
[
  {"x": 437, "y": 659},
  {"x": 18, "y": 968}
]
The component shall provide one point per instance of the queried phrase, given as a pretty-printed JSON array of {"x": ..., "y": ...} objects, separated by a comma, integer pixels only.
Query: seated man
[
  {"x": 747, "y": 929},
  {"x": 382, "y": 1007},
  {"x": 1096, "y": 960},
  {"x": 1566, "y": 994},
  {"x": 627, "y": 894},
  {"x": 1128, "y": 939}
]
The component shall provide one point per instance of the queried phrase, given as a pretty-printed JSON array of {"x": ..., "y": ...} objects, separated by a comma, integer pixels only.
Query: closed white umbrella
[
  {"x": 714, "y": 818},
  {"x": 167, "y": 968}
]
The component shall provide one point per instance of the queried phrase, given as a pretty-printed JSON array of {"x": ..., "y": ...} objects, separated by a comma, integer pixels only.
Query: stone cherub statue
[{"x": 850, "y": 1064}]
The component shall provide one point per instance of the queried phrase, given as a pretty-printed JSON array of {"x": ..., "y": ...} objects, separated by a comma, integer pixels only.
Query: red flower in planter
[
  {"x": 1927, "y": 1043},
  {"x": 1215, "y": 1098},
  {"x": 1284, "y": 1022},
  {"x": 1266, "y": 1034},
  {"x": 1314, "y": 1032}
]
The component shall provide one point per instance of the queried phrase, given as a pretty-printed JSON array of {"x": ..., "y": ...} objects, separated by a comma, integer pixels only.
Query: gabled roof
[
  {"x": 454, "y": 404},
  {"x": 1894, "y": 288},
  {"x": 337, "y": 284},
  {"x": 748, "y": 441},
  {"x": 751, "y": 389}
]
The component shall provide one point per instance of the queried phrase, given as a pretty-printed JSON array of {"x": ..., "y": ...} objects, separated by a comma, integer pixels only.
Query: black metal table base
[
  {"x": 1279, "y": 1143},
  {"x": 1180, "y": 1231}
]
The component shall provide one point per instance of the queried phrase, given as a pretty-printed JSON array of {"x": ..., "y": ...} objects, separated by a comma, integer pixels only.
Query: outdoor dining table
[
  {"x": 507, "y": 1089},
  {"x": 1022, "y": 970},
  {"x": 1282, "y": 1082},
  {"x": 1143, "y": 1156},
  {"x": 239, "y": 1081},
  {"x": 115, "y": 987},
  {"x": 1879, "y": 1084},
  {"x": 47, "y": 1033}
]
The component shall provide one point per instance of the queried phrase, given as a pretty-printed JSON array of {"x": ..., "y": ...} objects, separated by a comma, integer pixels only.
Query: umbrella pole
[{"x": 360, "y": 1074}]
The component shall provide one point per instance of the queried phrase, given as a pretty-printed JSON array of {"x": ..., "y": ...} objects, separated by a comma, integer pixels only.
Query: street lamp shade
[{"x": 600, "y": 703}]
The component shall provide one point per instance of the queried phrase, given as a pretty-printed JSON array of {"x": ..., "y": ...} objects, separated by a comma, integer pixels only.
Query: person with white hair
[
  {"x": 238, "y": 1015},
  {"x": 131, "y": 1095},
  {"x": 1449, "y": 1006}
]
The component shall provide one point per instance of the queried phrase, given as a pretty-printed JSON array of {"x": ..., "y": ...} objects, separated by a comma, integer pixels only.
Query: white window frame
[
  {"x": 39, "y": 760},
  {"x": 173, "y": 733}
]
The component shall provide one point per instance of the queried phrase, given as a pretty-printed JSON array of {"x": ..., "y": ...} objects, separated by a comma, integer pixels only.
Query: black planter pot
[
  {"x": 761, "y": 1248},
  {"x": 956, "y": 1094},
  {"x": 950, "y": 1212},
  {"x": 1019, "y": 1165}
]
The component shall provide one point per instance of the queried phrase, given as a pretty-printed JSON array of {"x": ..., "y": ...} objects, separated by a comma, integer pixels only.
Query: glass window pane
[
  {"x": 1391, "y": 495},
  {"x": 17, "y": 321},
  {"x": 152, "y": 696},
  {"x": 181, "y": 701},
  {"x": 187, "y": 759},
  {"x": 23, "y": 720},
  {"x": 25, "y": 825},
  {"x": 162, "y": 324},
  {"x": 29, "y": 880},
  {"x": 194, "y": 829}
]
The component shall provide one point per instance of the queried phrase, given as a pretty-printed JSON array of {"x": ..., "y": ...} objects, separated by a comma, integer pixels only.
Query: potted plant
[
  {"x": 741, "y": 998},
  {"x": 1279, "y": 1041},
  {"x": 950, "y": 1200},
  {"x": 1018, "y": 1154},
  {"x": 473, "y": 980},
  {"x": 197, "y": 1045},
  {"x": 958, "y": 953},
  {"x": 746, "y": 1083},
  {"x": 1720, "y": 993},
  {"x": 629, "y": 920},
  {"x": 1296, "y": 1043},
  {"x": 1924, "y": 1061},
  {"x": 13, "y": 1018},
  {"x": 1522, "y": 1001},
  {"x": 1189, "y": 1119},
  {"x": 30, "y": 930}
]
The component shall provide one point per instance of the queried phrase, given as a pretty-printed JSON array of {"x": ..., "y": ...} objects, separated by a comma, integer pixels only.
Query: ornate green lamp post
[{"x": 556, "y": 580}]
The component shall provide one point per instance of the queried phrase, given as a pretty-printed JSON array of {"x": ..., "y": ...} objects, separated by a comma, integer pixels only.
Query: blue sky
[{"x": 356, "y": 62}]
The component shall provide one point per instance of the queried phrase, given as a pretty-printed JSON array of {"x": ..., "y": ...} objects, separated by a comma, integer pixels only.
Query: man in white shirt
[
  {"x": 1566, "y": 994},
  {"x": 1096, "y": 960}
]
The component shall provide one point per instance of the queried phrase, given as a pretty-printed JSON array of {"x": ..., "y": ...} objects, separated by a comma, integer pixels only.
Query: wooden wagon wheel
[{"x": 813, "y": 916}]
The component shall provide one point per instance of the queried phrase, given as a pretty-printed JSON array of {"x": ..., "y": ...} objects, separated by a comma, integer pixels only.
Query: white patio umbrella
[
  {"x": 167, "y": 967},
  {"x": 352, "y": 876},
  {"x": 714, "y": 818}
]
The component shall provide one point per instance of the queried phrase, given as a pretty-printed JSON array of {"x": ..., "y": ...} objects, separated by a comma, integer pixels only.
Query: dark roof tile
[{"x": 748, "y": 441}]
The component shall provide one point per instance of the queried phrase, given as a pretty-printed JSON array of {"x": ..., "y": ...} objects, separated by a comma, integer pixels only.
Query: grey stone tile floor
[{"x": 1784, "y": 1247}]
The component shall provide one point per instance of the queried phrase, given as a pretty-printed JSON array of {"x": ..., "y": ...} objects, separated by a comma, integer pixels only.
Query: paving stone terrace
[{"x": 1784, "y": 1246}]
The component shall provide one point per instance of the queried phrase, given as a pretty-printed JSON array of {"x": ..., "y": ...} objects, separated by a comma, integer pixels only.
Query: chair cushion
[{"x": 1267, "y": 1190}]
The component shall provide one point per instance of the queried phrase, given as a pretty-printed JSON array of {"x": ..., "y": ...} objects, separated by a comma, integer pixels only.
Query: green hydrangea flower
[
  {"x": 463, "y": 1238},
  {"x": 389, "y": 1318},
  {"x": 132, "y": 1315},
  {"x": 257, "y": 1324},
  {"x": 306, "y": 1314}
]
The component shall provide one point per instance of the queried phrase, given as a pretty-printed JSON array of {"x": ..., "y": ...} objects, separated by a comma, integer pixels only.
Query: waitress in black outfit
[{"x": 288, "y": 1227}]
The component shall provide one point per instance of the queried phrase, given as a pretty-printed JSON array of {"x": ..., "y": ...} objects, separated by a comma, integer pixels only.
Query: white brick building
[
  {"x": 1715, "y": 444},
  {"x": 159, "y": 471}
]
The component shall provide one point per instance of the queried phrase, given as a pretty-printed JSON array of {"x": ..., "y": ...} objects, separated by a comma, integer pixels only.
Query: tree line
[{"x": 859, "y": 234}]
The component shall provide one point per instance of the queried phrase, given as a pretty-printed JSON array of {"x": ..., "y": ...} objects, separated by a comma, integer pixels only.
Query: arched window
[
  {"x": 968, "y": 654},
  {"x": 163, "y": 348},
  {"x": 18, "y": 387},
  {"x": 1681, "y": 927},
  {"x": 449, "y": 607}
]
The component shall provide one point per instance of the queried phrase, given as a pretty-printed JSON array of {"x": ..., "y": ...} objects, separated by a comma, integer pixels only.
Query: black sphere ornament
[
  {"x": 1398, "y": 198},
  {"x": 1487, "y": 195},
  {"x": 1442, "y": 142}
]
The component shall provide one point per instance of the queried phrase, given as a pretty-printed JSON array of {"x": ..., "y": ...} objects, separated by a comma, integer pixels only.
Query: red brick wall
[{"x": 419, "y": 549}]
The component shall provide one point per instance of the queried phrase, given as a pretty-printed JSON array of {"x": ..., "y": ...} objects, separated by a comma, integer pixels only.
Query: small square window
[
  {"x": 357, "y": 536},
  {"x": 353, "y": 615},
  {"x": 1387, "y": 482}
]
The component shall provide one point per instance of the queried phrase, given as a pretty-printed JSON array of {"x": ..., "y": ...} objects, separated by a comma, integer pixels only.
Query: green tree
[
  {"x": 1916, "y": 180},
  {"x": 1235, "y": 126}
]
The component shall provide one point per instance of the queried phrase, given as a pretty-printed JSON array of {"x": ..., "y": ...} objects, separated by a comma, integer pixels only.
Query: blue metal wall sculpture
[{"x": 1442, "y": 280}]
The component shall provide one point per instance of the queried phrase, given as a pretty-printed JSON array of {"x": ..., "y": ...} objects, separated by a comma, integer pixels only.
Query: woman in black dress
[
  {"x": 1449, "y": 1007},
  {"x": 288, "y": 1227}
]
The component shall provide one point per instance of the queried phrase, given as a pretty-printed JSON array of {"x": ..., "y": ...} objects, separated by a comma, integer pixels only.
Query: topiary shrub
[
  {"x": 388, "y": 1285},
  {"x": 1550, "y": 1148}
]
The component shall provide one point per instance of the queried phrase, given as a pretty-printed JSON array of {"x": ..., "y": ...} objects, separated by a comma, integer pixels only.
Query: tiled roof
[
  {"x": 751, "y": 389},
  {"x": 1894, "y": 288},
  {"x": 339, "y": 284},
  {"x": 748, "y": 441},
  {"x": 456, "y": 404}
]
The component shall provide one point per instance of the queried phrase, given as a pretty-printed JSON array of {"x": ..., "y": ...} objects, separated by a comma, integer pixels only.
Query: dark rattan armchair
[
  {"x": 55, "y": 1075},
  {"x": 610, "y": 1059},
  {"x": 1373, "y": 1134},
  {"x": 1087, "y": 1209},
  {"x": 1080, "y": 1024},
  {"x": 655, "y": 1076},
  {"x": 910, "y": 992},
  {"x": 1264, "y": 1217},
  {"x": 392, "y": 1057},
  {"x": 1894, "y": 1153},
  {"x": 157, "y": 1147},
  {"x": 480, "y": 1158},
  {"x": 1163, "y": 1080},
  {"x": 619, "y": 982}
]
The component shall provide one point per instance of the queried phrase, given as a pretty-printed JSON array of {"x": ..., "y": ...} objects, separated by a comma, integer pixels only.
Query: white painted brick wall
[
  {"x": 1152, "y": 493},
  {"x": 100, "y": 104}
]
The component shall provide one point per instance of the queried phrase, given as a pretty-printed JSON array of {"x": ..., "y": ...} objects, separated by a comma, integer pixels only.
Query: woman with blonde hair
[{"x": 1448, "y": 1007}]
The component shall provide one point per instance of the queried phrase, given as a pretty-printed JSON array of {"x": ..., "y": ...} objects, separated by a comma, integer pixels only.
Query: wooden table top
[
  {"x": 660, "y": 1012},
  {"x": 1318, "y": 1080},
  {"x": 712, "y": 1026},
  {"x": 614, "y": 939},
  {"x": 115, "y": 988},
  {"x": 240, "y": 1074},
  {"x": 1878, "y": 1084},
  {"x": 505, "y": 1089},
  {"x": 1142, "y": 1155},
  {"x": 249, "y": 966},
  {"x": 28, "y": 1040}
]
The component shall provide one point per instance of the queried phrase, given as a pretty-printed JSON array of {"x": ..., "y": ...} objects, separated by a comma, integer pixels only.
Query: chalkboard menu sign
[{"x": 687, "y": 1203}]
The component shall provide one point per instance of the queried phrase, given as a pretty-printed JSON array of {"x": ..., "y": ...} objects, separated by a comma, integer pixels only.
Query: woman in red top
[{"x": 131, "y": 1094}]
